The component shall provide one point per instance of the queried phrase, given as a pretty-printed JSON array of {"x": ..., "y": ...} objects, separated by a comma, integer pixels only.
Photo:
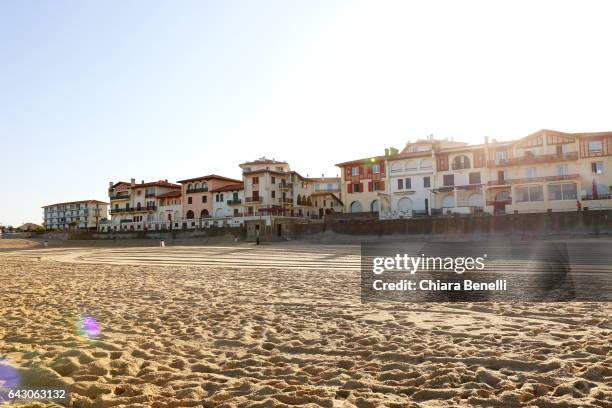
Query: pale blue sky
[{"x": 97, "y": 91}]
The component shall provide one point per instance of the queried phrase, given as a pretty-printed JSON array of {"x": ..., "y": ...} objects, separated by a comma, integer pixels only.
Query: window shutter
[
  {"x": 382, "y": 185},
  {"x": 382, "y": 167},
  {"x": 350, "y": 188},
  {"x": 369, "y": 186},
  {"x": 348, "y": 172}
]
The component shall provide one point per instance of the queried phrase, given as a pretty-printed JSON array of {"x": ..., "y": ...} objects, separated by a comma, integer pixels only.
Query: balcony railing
[
  {"x": 252, "y": 199},
  {"x": 234, "y": 201},
  {"x": 197, "y": 190},
  {"x": 133, "y": 209},
  {"x": 119, "y": 197},
  {"x": 149, "y": 195},
  {"x": 597, "y": 197},
  {"x": 285, "y": 186},
  {"x": 507, "y": 182},
  {"x": 533, "y": 159},
  {"x": 499, "y": 202}
]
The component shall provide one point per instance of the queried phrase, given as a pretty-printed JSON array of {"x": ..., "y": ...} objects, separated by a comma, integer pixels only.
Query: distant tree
[
  {"x": 73, "y": 224},
  {"x": 10, "y": 228}
]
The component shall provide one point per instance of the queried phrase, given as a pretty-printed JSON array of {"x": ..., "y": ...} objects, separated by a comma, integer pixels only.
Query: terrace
[{"x": 533, "y": 159}]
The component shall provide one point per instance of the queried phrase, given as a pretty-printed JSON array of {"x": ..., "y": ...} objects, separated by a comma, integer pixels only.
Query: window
[
  {"x": 536, "y": 193},
  {"x": 376, "y": 168},
  {"x": 531, "y": 193},
  {"x": 501, "y": 155},
  {"x": 356, "y": 188},
  {"x": 411, "y": 165},
  {"x": 376, "y": 186},
  {"x": 255, "y": 195},
  {"x": 426, "y": 181},
  {"x": 522, "y": 194},
  {"x": 449, "y": 180},
  {"x": 255, "y": 180},
  {"x": 204, "y": 198},
  {"x": 189, "y": 200},
  {"x": 273, "y": 194},
  {"x": 408, "y": 184},
  {"x": 531, "y": 172},
  {"x": 597, "y": 167},
  {"x": 355, "y": 171},
  {"x": 554, "y": 192},
  {"x": 461, "y": 162},
  {"x": 400, "y": 184},
  {"x": 475, "y": 178},
  {"x": 273, "y": 180},
  {"x": 596, "y": 146},
  {"x": 562, "y": 170},
  {"x": 570, "y": 191}
]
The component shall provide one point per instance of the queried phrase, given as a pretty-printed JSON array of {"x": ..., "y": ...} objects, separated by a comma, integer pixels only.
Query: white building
[
  {"x": 75, "y": 214},
  {"x": 228, "y": 200}
]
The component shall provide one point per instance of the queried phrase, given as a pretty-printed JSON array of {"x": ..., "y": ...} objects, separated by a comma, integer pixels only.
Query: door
[{"x": 279, "y": 229}]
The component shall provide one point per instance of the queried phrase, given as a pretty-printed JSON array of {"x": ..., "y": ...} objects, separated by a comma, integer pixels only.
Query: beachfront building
[
  {"x": 83, "y": 214},
  {"x": 198, "y": 196},
  {"x": 228, "y": 200},
  {"x": 363, "y": 185},
  {"x": 326, "y": 195},
  {"x": 460, "y": 179},
  {"x": 549, "y": 170},
  {"x": 266, "y": 186},
  {"x": 133, "y": 204},
  {"x": 411, "y": 179},
  {"x": 169, "y": 207}
]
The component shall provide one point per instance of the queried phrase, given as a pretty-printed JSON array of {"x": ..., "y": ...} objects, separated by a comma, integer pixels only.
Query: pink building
[{"x": 197, "y": 194}]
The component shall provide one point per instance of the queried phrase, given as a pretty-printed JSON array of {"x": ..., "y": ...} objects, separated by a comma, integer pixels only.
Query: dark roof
[
  {"x": 229, "y": 187},
  {"x": 210, "y": 176}
]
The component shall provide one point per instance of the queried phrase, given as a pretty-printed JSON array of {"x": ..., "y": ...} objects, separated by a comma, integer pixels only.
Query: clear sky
[{"x": 99, "y": 91}]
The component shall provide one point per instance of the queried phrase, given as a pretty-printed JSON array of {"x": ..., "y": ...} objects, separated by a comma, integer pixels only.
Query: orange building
[{"x": 197, "y": 194}]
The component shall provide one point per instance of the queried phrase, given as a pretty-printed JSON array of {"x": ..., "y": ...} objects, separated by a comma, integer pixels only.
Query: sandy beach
[{"x": 280, "y": 326}]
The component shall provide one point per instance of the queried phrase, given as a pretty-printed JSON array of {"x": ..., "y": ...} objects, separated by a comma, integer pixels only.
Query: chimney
[
  {"x": 110, "y": 184},
  {"x": 133, "y": 182}
]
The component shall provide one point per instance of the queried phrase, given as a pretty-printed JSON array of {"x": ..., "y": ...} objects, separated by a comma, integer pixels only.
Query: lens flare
[
  {"x": 88, "y": 327},
  {"x": 9, "y": 378}
]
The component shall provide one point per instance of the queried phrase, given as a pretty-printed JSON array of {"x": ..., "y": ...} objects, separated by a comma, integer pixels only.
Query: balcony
[
  {"x": 285, "y": 186},
  {"x": 504, "y": 202},
  {"x": 533, "y": 159},
  {"x": 252, "y": 199},
  {"x": 119, "y": 197},
  {"x": 542, "y": 179},
  {"x": 132, "y": 209},
  {"x": 197, "y": 190},
  {"x": 149, "y": 195},
  {"x": 234, "y": 201}
]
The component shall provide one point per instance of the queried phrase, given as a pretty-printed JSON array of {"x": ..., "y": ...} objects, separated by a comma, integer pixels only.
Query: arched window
[
  {"x": 299, "y": 200},
  {"x": 138, "y": 206},
  {"x": 189, "y": 215},
  {"x": 375, "y": 206},
  {"x": 204, "y": 213},
  {"x": 356, "y": 207},
  {"x": 396, "y": 166},
  {"x": 426, "y": 164},
  {"x": 204, "y": 185},
  {"x": 189, "y": 187},
  {"x": 197, "y": 185},
  {"x": 411, "y": 165},
  {"x": 461, "y": 162},
  {"x": 502, "y": 196},
  {"x": 404, "y": 205},
  {"x": 448, "y": 201}
]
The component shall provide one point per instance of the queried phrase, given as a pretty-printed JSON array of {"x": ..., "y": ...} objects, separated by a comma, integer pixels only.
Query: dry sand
[
  {"x": 184, "y": 327},
  {"x": 17, "y": 243}
]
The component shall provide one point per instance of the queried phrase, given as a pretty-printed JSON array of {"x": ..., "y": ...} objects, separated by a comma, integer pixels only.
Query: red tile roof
[
  {"x": 229, "y": 187},
  {"x": 210, "y": 176},
  {"x": 174, "y": 193}
]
